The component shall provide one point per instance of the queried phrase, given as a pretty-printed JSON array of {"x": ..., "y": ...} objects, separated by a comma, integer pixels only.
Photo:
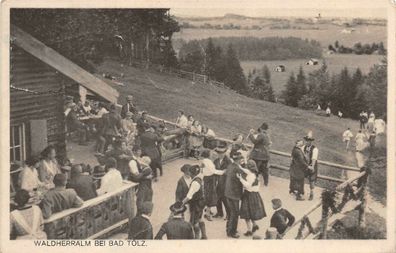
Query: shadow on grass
[{"x": 347, "y": 227}]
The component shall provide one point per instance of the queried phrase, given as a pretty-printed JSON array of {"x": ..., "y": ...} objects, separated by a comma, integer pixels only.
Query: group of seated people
[
  {"x": 200, "y": 136},
  {"x": 46, "y": 187}
]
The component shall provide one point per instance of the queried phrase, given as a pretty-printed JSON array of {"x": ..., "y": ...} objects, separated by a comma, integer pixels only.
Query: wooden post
[{"x": 362, "y": 209}]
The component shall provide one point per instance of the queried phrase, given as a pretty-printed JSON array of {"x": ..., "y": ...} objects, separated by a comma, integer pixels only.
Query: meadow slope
[{"x": 227, "y": 112}]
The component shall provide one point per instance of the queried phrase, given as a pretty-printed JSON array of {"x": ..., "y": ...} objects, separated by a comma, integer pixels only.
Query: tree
[
  {"x": 211, "y": 58},
  {"x": 266, "y": 74},
  {"x": 377, "y": 88},
  {"x": 301, "y": 84},
  {"x": 235, "y": 78},
  {"x": 290, "y": 92}
]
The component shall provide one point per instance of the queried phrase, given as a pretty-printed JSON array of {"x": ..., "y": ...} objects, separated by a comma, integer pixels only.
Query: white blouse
[
  {"x": 209, "y": 168},
  {"x": 248, "y": 182}
]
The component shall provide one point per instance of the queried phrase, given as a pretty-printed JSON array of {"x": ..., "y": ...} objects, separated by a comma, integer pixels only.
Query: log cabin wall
[{"x": 27, "y": 72}]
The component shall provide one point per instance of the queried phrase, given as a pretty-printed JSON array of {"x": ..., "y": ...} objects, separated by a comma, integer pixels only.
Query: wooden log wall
[{"x": 27, "y": 72}]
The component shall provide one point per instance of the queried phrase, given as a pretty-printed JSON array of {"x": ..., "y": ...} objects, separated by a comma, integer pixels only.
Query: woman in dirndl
[
  {"x": 196, "y": 139},
  {"x": 209, "y": 183},
  {"x": 252, "y": 206}
]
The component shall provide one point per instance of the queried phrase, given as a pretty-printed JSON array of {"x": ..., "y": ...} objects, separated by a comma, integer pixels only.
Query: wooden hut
[{"x": 38, "y": 79}]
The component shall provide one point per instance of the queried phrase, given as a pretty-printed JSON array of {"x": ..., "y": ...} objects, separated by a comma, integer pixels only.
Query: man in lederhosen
[
  {"x": 311, "y": 153},
  {"x": 195, "y": 198},
  {"x": 221, "y": 163},
  {"x": 260, "y": 152}
]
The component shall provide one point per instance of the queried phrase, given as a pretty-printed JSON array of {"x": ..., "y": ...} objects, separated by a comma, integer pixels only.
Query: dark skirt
[
  {"x": 210, "y": 191},
  {"x": 252, "y": 206},
  {"x": 296, "y": 185}
]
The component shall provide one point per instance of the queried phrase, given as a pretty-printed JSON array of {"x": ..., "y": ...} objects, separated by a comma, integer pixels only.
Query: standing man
[
  {"x": 195, "y": 198},
  {"x": 298, "y": 167},
  {"x": 129, "y": 107},
  {"x": 328, "y": 111},
  {"x": 346, "y": 137},
  {"x": 221, "y": 163},
  {"x": 260, "y": 152},
  {"x": 112, "y": 125},
  {"x": 148, "y": 143},
  {"x": 311, "y": 153},
  {"x": 233, "y": 194}
]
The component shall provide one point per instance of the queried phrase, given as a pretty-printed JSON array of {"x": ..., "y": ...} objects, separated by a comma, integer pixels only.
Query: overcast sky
[{"x": 303, "y": 8}]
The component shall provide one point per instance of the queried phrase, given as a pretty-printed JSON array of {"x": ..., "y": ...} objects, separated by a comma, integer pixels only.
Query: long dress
[
  {"x": 27, "y": 224},
  {"x": 209, "y": 183},
  {"x": 252, "y": 206},
  {"x": 195, "y": 140}
]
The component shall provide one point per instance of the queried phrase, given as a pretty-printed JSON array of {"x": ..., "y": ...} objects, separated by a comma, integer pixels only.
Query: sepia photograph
[{"x": 260, "y": 123}]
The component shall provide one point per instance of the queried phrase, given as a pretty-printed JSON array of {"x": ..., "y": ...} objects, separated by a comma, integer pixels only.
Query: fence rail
[{"x": 192, "y": 76}]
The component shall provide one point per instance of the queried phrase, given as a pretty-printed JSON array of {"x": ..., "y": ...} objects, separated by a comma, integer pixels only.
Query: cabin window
[{"x": 17, "y": 143}]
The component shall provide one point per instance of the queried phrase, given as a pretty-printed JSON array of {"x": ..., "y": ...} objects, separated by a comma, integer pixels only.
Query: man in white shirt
[
  {"x": 328, "y": 112},
  {"x": 195, "y": 198},
  {"x": 346, "y": 137},
  {"x": 112, "y": 180},
  {"x": 311, "y": 153},
  {"x": 181, "y": 120}
]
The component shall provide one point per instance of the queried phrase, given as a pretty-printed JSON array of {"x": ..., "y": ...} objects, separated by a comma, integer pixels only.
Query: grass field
[
  {"x": 327, "y": 34},
  {"x": 335, "y": 63},
  {"x": 227, "y": 112}
]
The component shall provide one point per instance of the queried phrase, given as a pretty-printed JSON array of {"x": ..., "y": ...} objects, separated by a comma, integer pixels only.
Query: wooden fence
[
  {"x": 353, "y": 189},
  {"x": 192, "y": 76}
]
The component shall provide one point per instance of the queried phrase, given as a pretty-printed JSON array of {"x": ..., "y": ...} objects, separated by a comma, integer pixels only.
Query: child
[
  {"x": 252, "y": 206},
  {"x": 281, "y": 219},
  {"x": 140, "y": 227},
  {"x": 176, "y": 228},
  {"x": 183, "y": 183}
]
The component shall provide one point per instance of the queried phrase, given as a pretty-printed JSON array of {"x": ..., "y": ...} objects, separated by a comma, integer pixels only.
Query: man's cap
[
  {"x": 237, "y": 156},
  {"x": 178, "y": 208},
  {"x": 221, "y": 147},
  {"x": 194, "y": 170},
  {"x": 185, "y": 168}
]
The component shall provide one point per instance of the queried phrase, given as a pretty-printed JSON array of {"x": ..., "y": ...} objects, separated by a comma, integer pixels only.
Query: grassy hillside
[
  {"x": 228, "y": 113},
  {"x": 335, "y": 64}
]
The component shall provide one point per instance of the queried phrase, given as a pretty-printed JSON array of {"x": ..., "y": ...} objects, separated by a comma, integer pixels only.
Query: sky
[{"x": 298, "y": 8}]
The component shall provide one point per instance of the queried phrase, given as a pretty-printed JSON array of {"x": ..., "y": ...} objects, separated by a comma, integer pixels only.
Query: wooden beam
[{"x": 63, "y": 65}]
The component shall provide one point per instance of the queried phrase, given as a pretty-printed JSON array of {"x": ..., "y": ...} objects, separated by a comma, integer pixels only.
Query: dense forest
[
  {"x": 87, "y": 35},
  {"x": 347, "y": 92},
  {"x": 358, "y": 48},
  {"x": 269, "y": 48}
]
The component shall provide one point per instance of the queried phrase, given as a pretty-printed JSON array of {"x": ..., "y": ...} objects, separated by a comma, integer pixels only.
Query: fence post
[{"x": 362, "y": 209}]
